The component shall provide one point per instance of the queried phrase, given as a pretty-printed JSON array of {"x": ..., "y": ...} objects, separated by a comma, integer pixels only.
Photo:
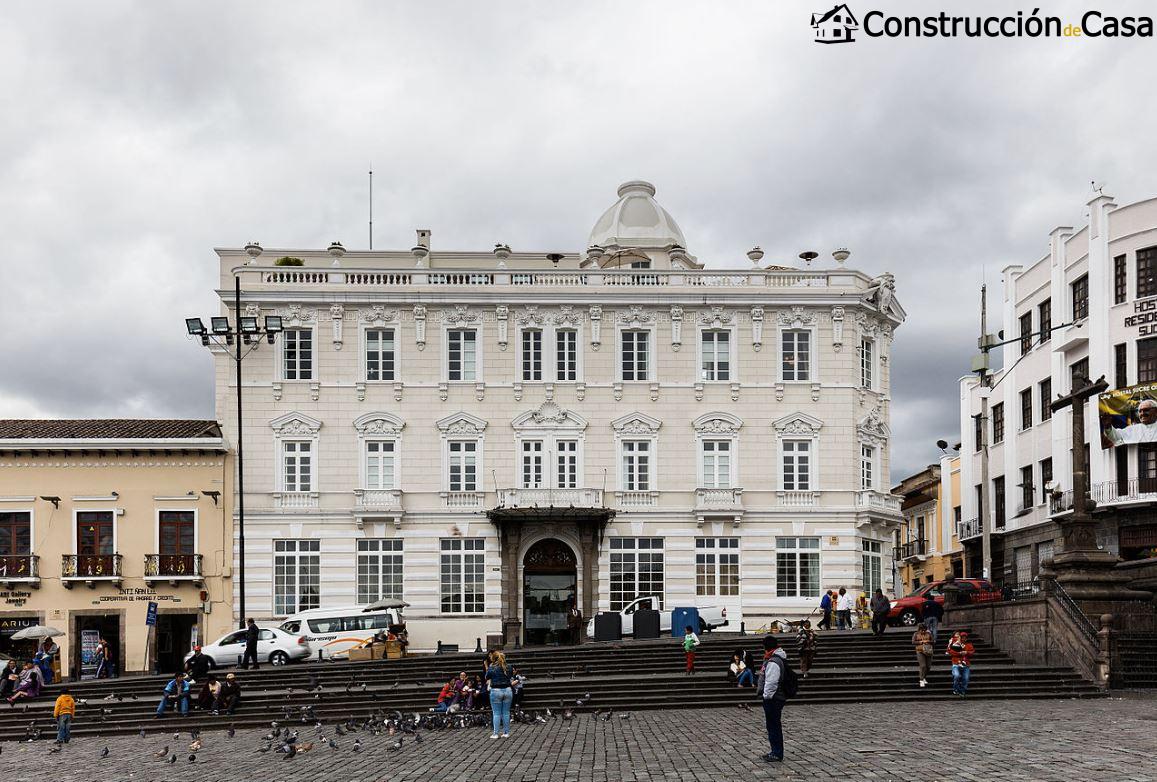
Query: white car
[
  {"x": 274, "y": 646},
  {"x": 710, "y": 617}
]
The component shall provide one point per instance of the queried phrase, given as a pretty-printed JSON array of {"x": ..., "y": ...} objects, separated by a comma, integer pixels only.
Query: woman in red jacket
[{"x": 960, "y": 650}]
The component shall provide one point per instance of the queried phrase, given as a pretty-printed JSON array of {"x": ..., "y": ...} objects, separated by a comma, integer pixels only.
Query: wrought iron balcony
[
  {"x": 90, "y": 567},
  {"x": 173, "y": 566},
  {"x": 19, "y": 567},
  {"x": 1138, "y": 490},
  {"x": 914, "y": 549},
  {"x": 968, "y": 528}
]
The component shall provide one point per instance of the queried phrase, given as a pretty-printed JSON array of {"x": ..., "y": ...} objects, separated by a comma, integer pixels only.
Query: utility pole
[{"x": 985, "y": 390}]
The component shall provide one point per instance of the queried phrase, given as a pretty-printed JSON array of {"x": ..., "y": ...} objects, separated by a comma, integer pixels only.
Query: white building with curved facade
[{"x": 488, "y": 435}]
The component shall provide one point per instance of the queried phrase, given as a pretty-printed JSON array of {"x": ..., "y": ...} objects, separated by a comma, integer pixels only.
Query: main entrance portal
[{"x": 549, "y": 586}]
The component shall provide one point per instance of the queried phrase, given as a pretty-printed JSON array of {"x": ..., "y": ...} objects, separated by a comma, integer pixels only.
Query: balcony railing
[
  {"x": 797, "y": 499},
  {"x": 88, "y": 567},
  {"x": 173, "y": 566},
  {"x": 711, "y": 499},
  {"x": 379, "y": 499},
  {"x": 874, "y": 500},
  {"x": 968, "y": 528},
  {"x": 550, "y": 498},
  {"x": 637, "y": 499},
  {"x": 19, "y": 567},
  {"x": 295, "y": 499},
  {"x": 1061, "y": 503},
  {"x": 1116, "y": 492},
  {"x": 913, "y": 548},
  {"x": 468, "y": 500}
]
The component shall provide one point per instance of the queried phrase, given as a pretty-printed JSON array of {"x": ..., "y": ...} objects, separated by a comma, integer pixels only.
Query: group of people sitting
[
  {"x": 467, "y": 692},
  {"x": 214, "y": 695},
  {"x": 18, "y": 681}
]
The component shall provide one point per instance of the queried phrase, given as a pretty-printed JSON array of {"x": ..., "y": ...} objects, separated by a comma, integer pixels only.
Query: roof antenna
[{"x": 371, "y": 206}]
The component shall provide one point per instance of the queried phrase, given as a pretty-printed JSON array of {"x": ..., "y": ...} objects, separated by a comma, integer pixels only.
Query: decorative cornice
[
  {"x": 797, "y": 317},
  {"x": 797, "y": 424},
  {"x": 549, "y": 415},
  {"x": 530, "y": 316},
  {"x": 717, "y": 423},
  {"x": 297, "y": 315},
  {"x": 459, "y": 316},
  {"x": 378, "y": 315},
  {"x": 636, "y": 316},
  {"x": 566, "y": 315},
  {"x": 379, "y": 424},
  {"x": 462, "y": 424},
  {"x": 295, "y": 424},
  {"x": 717, "y": 317},
  {"x": 636, "y": 423}
]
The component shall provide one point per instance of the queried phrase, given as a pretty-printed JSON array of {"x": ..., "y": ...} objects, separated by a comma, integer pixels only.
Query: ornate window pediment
[
  {"x": 636, "y": 423},
  {"x": 378, "y": 315},
  {"x": 549, "y": 415},
  {"x": 717, "y": 423},
  {"x": 872, "y": 427},
  {"x": 797, "y": 318},
  {"x": 462, "y": 424},
  {"x": 297, "y": 315},
  {"x": 295, "y": 424},
  {"x": 636, "y": 317},
  {"x": 459, "y": 316},
  {"x": 717, "y": 318},
  {"x": 567, "y": 316},
  {"x": 798, "y": 425},
  {"x": 529, "y": 317},
  {"x": 379, "y": 424}
]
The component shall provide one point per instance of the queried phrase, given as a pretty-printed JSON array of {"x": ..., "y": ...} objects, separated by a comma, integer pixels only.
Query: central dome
[{"x": 636, "y": 220}]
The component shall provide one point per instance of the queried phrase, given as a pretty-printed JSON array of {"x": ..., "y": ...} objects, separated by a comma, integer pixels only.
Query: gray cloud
[{"x": 138, "y": 136}]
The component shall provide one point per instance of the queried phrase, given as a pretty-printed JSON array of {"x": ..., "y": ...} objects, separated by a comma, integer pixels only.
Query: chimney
[{"x": 424, "y": 238}]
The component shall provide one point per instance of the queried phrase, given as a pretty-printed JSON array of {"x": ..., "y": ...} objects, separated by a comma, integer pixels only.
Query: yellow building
[
  {"x": 99, "y": 519},
  {"x": 927, "y": 546}
]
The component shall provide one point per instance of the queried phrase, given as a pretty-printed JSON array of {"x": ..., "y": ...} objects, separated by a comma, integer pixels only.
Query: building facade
[
  {"x": 490, "y": 435},
  {"x": 1080, "y": 311},
  {"x": 927, "y": 547},
  {"x": 101, "y": 518}
]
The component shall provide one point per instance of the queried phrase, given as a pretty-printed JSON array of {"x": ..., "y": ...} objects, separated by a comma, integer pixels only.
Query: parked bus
[{"x": 334, "y": 631}]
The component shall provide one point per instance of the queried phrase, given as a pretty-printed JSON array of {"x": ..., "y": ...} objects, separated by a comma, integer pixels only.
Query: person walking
[
  {"x": 826, "y": 607},
  {"x": 806, "y": 640},
  {"x": 63, "y": 712},
  {"x": 880, "y": 608},
  {"x": 844, "y": 610},
  {"x": 176, "y": 691},
  {"x": 923, "y": 643},
  {"x": 690, "y": 641},
  {"x": 960, "y": 651},
  {"x": 501, "y": 695},
  {"x": 104, "y": 659},
  {"x": 774, "y": 695},
  {"x": 252, "y": 633},
  {"x": 933, "y": 614}
]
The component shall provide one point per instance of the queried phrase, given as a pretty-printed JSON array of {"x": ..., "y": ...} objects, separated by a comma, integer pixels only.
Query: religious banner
[{"x": 1128, "y": 415}]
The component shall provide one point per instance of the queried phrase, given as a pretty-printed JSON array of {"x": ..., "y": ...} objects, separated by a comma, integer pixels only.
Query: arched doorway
[{"x": 549, "y": 582}]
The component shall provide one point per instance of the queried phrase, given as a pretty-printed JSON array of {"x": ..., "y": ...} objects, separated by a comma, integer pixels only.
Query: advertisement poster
[
  {"x": 89, "y": 661},
  {"x": 1128, "y": 415}
]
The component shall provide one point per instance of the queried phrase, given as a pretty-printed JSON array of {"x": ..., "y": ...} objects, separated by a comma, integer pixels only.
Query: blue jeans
[
  {"x": 960, "y": 676},
  {"x": 745, "y": 678},
  {"x": 442, "y": 707},
  {"x": 182, "y": 705},
  {"x": 500, "y": 704},
  {"x": 932, "y": 623},
  {"x": 773, "y": 714},
  {"x": 63, "y": 727}
]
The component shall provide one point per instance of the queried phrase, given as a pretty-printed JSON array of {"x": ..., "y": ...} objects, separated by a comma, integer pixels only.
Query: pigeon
[
  {"x": 172, "y": 758},
  {"x": 192, "y": 758},
  {"x": 417, "y": 738},
  {"x": 231, "y": 732},
  {"x": 104, "y": 752},
  {"x": 626, "y": 715},
  {"x": 397, "y": 745},
  {"x": 358, "y": 744},
  {"x": 161, "y": 753},
  {"x": 55, "y": 748},
  {"x": 610, "y": 713},
  {"x": 265, "y": 749},
  {"x": 290, "y": 752},
  {"x": 142, "y": 734}
]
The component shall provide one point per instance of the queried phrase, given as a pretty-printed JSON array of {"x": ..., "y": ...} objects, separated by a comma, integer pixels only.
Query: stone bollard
[
  {"x": 477, "y": 646},
  {"x": 743, "y": 628}
]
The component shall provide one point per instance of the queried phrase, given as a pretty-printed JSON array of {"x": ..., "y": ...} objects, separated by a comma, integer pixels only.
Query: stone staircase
[{"x": 851, "y": 666}]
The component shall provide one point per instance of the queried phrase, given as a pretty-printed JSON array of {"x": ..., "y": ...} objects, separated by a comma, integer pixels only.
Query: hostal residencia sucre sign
[{"x": 1144, "y": 318}]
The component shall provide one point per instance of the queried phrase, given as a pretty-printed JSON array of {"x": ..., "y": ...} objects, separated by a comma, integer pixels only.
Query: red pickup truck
[{"x": 908, "y": 611}]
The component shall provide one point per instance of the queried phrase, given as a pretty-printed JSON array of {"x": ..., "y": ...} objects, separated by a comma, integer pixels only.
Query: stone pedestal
[{"x": 1088, "y": 574}]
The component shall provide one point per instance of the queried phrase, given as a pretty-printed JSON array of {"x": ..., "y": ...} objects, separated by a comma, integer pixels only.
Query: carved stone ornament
[
  {"x": 378, "y": 315},
  {"x": 550, "y": 555},
  {"x": 636, "y": 316},
  {"x": 873, "y": 428},
  {"x": 716, "y": 318},
  {"x": 676, "y": 327},
  {"x": 596, "y": 315},
  {"x": 297, "y": 315},
  {"x": 549, "y": 413},
  {"x": 337, "y": 315},
  {"x": 459, "y": 316},
  {"x": 566, "y": 316},
  {"x": 252, "y": 310},
  {"x": 881, "y": 293},
  {"x": 837, "y": 328},
  {"x": 379, "y": 424},
  {"x": 420, "y": 326},
  {"x": 797, "y": 425},
  {"x": 757, "y": 328},
  {"x": 295, "y": 424},
  {"x": 530, "y": 317},
  {"x": 636, "y": 423},
  {"x": 461, "y": 424},
  {"x": 717, "y": 423},
  {"x": 502, "y": 318},
  {"x": 797, "y": 317}
]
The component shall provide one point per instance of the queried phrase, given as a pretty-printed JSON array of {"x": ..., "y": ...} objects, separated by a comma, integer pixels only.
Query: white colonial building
[
  {"x": 488, "y": 435},
  {"x": 1084, "y": 309}
]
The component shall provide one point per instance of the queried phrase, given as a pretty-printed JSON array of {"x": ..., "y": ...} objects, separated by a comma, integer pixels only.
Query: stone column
[
  {"x": 510, "y": 536},
  {"x": 590, "y": 545}
]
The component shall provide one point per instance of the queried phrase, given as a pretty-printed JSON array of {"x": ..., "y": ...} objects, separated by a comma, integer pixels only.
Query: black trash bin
[
  {"x": 646, "y": 623},
  {"x": 608, "y": 626}
]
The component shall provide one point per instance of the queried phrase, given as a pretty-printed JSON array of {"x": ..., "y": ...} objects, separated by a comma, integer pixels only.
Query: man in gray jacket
[{"x": 774, "y": 662}]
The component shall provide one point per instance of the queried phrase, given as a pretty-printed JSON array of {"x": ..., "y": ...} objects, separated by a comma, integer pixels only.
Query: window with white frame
[
  {"x": 636, "y": 465},
  {"x": 716, "y": 463},
  {"x": 297, "y": 354},
  {"x": 532, "y": 354},
  {"x": 463, "y": 465},
  {"x": 566, "y": 354},
  {"x": 717, "y": 566},
  {"x": 873, "y": 560},
  {"x": 380, "y": 355},
  {"x": 567, "y": 462},
  {"x": 867, "y": 467},
  {"x": 379, "y": 570},
  {"x": 715, "y": 355},
  {"x": 532, "y": 459},
  {"x": 380, "y": 464},
  {"x": 867, "y": 351},
  {"x": 797, "y": 567},
  {"x": 636, "y": 570},
  {"x": 297, "y": 464},
  {"x": 796, "y": 355},
  {"x": 463, "y": 575},
  {"x": 796, "y": 465},
  {"x": 635, "y": 355},
  {"x": 296, "y": 576},
  {"x": 462, "y": 354}
]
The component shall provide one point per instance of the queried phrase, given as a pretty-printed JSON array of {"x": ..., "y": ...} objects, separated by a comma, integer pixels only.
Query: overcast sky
[{"x": 138, "y": 136}]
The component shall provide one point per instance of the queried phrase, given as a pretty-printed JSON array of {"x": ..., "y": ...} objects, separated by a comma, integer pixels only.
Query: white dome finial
[{"x": 636, "y": 220}]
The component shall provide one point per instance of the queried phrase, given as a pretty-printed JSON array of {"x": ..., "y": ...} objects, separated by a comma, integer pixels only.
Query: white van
[{"x": 334, "y": 631}]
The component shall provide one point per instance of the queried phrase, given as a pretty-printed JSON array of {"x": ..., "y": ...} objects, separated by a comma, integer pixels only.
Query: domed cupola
[{"x": 636, "y": 220}]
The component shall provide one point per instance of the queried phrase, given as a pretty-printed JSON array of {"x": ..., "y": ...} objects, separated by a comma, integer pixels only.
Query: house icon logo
[{"x": 836, "y": 26}]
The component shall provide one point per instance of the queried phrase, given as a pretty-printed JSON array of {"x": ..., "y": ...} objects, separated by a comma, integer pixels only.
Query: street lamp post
[{"x": 239, "y": 339}]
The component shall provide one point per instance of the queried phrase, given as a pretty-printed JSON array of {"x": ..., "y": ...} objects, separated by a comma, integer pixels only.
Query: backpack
[{"x": 788, "y": 679}]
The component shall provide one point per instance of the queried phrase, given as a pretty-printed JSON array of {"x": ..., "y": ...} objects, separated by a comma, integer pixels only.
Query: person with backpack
[{"x": 777, "y": 683}]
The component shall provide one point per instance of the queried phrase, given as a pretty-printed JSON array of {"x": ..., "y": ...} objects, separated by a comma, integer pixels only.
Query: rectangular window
[
  {"x": 998, "y": 502},
  {"x": 1025, "y": 333},
  {"x": 1121, "y": 365},
  {"x": 532, "y": 355},
  {"x": 1080, "y": 292},
  {"x": 1046, "y": 477},
  {"x": 1026, "y": 409},
  {"x": 1147, "y": 468},
  {"x": 462, "y": 354},
  {"x": 380, "y": 464},
  {"x": 1147, "y": 272},
  {"x": 717, "y": 567},
  {"x": 1046, "y": 399},
  {"x": 15, "y": 534},
  {"x": 1122, "y": 471},
  {"x": 532, "y": 464},
  {"x": 1045, "y": 319},
  {"x": 873, "y": 560},
  {"x": 715, "y": 355},
  {"x": 379, "y": 570},
  {"x": 463, "y": 465},
  {"x": 796, "y": 355},
  {"x": 636, "y": 351},
  {"x": 797, "y": 465},
  {"x": 867, "y": 467},
  {"x": 297, "y": 460},
  {"x": 1026, "y": 487},
  {"x": 297, "y": 354},
  {"x": 380, "y": 354},
  {"x": 296, "y": 576},
  {"x": 866, "y": 350},
  {"x": 797, "y": 567},
  {"x": 463, "y": 575},
  {"x": 176, "y": 532},
  {"x": 636, "y": 570},
  {"x": 94, "y": 533},
  {"x": 977, "y": 432},
  {"x": 566, "y": 354},
  {"x": 636, "y": 465},
  {"x": 1147, "y": 360},
  {"x": 1120, "y": 281},
  {"x": 567, "y": 464},
  {"x": 716, "y": 464},
  {"x": 1079, "y": 374},
  {"x": 998, "y": 423}
]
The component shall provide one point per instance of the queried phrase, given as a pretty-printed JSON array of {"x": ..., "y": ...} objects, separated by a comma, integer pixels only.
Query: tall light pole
[{"x": 238, "y": 339}]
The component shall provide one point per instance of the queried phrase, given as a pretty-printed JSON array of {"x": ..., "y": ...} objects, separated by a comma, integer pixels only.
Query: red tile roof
[{"x": 107, "y": 428}]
